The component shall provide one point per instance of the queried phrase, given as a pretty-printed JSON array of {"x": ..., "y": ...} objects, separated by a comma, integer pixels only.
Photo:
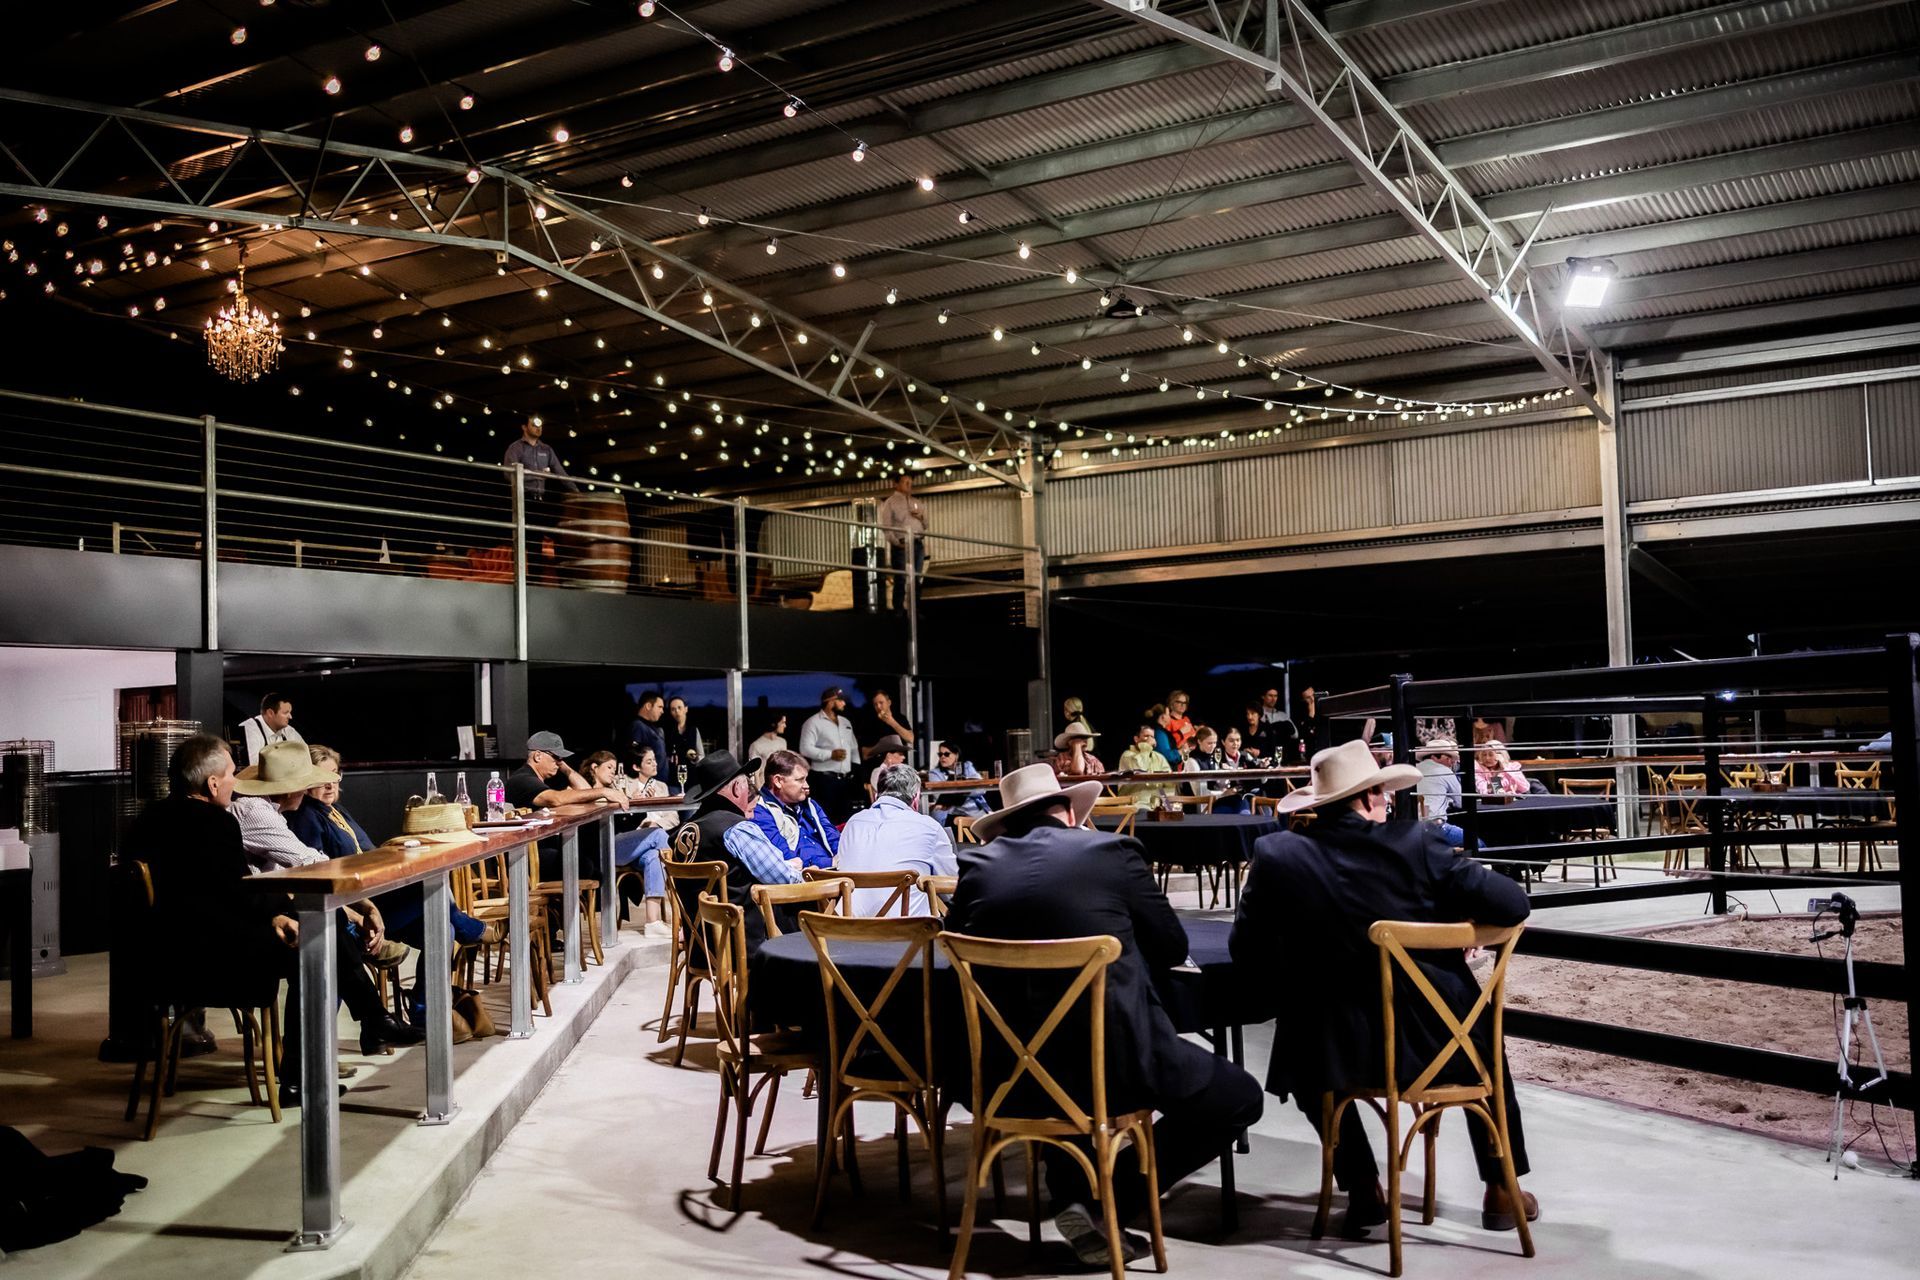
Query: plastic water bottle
[{"x": 496, "y": 798}]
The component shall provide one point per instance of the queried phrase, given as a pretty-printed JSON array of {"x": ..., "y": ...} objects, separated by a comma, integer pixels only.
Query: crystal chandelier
[{"x": 243, "y": 341}]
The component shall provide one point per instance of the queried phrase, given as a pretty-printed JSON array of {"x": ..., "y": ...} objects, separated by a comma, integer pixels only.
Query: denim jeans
[{"x": 643, "y": 846}]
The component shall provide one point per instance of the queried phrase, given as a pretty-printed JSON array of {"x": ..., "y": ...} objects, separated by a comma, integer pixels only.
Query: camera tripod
[{"x": 1847, "y": 918}]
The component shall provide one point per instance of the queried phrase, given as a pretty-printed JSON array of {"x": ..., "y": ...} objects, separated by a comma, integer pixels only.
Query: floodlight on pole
[{"x": 1588, "y": 280}]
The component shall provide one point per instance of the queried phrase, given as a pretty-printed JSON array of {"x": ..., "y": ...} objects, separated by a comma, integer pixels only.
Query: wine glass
[{"x": 681, "y": 774}]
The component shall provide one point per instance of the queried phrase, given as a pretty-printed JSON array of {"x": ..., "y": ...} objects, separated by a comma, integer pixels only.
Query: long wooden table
[{"x": 319, "y": 889}]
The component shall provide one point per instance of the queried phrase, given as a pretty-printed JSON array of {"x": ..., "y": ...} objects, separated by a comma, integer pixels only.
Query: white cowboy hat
[
  {"x": 1347, "y": 770},
  {"x": 1033, "y": 787},
  {"x": 1078, "y": 729},
  {"x": 283, "y": 768},
  {"x": 1438, "y": 746}
]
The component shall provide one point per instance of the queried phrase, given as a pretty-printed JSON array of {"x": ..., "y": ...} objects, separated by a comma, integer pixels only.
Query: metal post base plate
[
  {"x": 303, "y": 1242},
  {"x": 427, "y": 1121}
]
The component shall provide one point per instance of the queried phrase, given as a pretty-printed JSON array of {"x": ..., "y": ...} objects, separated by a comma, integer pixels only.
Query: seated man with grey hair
[{"x": 894, "y": 836}]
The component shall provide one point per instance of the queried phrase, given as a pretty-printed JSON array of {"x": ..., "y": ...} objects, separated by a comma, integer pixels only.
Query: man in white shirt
[
  {"x": 894, "y": 836},
  {"x": 1439, "y": 786},
  {"x": 273, "y": 724},
  {"x": 904, "y": 521},
  {"x": 827, "y": 741}
]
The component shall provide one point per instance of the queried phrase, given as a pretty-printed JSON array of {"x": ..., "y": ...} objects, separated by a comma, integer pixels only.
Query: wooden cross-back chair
[
  {"x": 1199, "y": 804},
  {"x": 1679, "y": 813},
  {"x": 687, "y": 963},
  {"x": 741, "y": 1054},
  {"x": 867, "y": 1062},
  {"x": 900, "y": 883},
  {"x": 939, "y": 891},
  {"x": 1846, "y": 825},
  {"x": 963, "y": 830},
  {"x": 480, "y": 890},
  {"x": 256, "y": 1016},
  {"x": 994, "y": 1131},
  {"x": 832, "y": 894},
  {"x": 1603, "y": 868},
  {"x": 1121, "y": 807},
  {"x": 1483, "y": 1099}
]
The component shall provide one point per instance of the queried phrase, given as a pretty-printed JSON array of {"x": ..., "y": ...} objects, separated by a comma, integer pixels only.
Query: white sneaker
[
  {"x": 656, "y": 929},
  {"x": 1088, "y": 1237}
]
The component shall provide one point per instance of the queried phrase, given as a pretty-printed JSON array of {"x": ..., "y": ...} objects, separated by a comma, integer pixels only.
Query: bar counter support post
[
  {"x": 320, "y": 1221},
  {"x": 1716, "y": 812},
  {"x": 520, "y": 976},
  {"x": 609, "y": 887},
  {"x": 437, "y": 924},
  {"x": 1410, "y": 805},
  {"x": 1903, "y": 706},
  {"x": 743, "y": 581},
  {"x": 570, "y": 904}
]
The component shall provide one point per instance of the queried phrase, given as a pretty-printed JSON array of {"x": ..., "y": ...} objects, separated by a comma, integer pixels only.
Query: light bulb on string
[
  {"x": 238, "y": 36},
  {"x": 839, "y": 271},
  {"x": 893, "y": 296},
  {"x": 966, "y": 216},
  {"x": 646, "y": 8},
  {"x": 561, "y": 133},
  {"x": 792, "y": 108},
  {"x": 330, "y": 86},
  {"x": 1024, "y": 251},
  {"x": 773, "y": 246},
  {"x": 859, "y": 152},
  {"x": 372, "y": 53},
  {"x": 726, "y": 59},
  {"x": 703, "y": 217},
  {"x": 926, "y": 184},
  {"x": 406, "y": 134},
  {"x": 1072, "y": 276},
  {"x": 1186, "y": 334}
]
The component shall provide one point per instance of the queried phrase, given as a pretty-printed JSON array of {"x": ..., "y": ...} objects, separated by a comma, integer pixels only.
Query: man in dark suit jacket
[
  {"x": 1042, "y": 875},
  {"x": 1303, "y": 919}
]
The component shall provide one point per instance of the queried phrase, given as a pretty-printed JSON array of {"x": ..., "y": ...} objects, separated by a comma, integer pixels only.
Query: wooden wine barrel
[{"x": 589, "y": 561}]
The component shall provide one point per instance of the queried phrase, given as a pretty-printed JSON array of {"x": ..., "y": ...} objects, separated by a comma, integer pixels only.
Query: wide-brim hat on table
[
  {"x": 436, "y": 824},
  {"x": 1036, "y": 786},
  {"x": 283, "y": 768},
  {"x": 1078, "y": 729},
  {"x": 713, "y": 771},
  {"x": 1347, "y": 770}
]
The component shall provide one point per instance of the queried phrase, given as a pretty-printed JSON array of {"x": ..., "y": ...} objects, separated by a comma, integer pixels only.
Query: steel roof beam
[
  {"x": 1584, "y": 52},
  {"x": 779, "y": 345},
  {"x": 1459, "y": 315}
]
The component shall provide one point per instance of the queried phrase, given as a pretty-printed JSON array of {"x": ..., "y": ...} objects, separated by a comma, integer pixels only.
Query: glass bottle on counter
[
  {"x": 463, "y": 799},
  {"x": 433, "y": 795}
]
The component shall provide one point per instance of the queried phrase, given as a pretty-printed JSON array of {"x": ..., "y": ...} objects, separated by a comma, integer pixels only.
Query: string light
[
  {"x": 1024, "y": 251},
  {"x": 466, "y": 102},
  {"x": 792, "y": 108},
  {"x": 726, "y": 59},
  {"x": 646, "y": 8},
  {"x": 238, "y": 36},
  {"x": 1073, "y": 277},
  {"x": 406, "y": 134},
  {"x": 773, "y": 246},
  {"x": 859, "y": 152},
  {"x": 330, "y": 86},
  {"x": 840, "y": 271},
  {"x": 561, "y": 134},
  {"x": 373, "y": 53},
  {"x": 926, "y": 183}
]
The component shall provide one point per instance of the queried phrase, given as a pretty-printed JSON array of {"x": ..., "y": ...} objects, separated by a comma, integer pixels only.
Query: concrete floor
[{"x": 606, "y": 1175}]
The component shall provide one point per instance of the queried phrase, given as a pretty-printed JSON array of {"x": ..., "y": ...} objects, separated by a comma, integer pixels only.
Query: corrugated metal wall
[
  {"x": 1894, "y": 410},
  {"x": 1756, "y": 442},
  {"x": 1509, "y": 471}
]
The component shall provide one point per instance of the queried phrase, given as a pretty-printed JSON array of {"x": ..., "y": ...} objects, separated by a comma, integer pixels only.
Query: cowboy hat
[
  {"x": 1078, "y": 729},
  {"x": 891, "y": 742},
  {"x": 1438, "y": 746},
  {"x": 283, "y": 768},
  {"x": 713, "y": 771},
  {"x": 1347, "y": 770},
  {"x": 1036, "y": 786},
  {"x": 435, "y": 824}
]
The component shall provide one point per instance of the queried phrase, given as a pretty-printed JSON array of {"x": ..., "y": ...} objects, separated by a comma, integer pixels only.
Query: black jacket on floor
[{"x": 1301, "y": 932}]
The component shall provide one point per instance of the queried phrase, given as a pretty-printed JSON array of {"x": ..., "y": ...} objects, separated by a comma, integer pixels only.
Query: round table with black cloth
[
  {"x": 1216, "y": 843},
  {"x": 785, "y": 991},
  {"x": 1536, "y": 819}
]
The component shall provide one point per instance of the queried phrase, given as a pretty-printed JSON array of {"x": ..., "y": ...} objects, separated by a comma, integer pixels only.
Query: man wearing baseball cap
[
  {"x": 546, "y": 780},
  {"x": 827, "y": 741}
]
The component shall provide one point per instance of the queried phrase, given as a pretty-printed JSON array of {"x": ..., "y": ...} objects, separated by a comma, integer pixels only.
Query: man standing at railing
[
  {"x": 540, "y": 461},
  {"x": 904, "y": 521}
]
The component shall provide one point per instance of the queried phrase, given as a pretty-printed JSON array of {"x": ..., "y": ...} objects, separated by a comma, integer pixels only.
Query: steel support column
[{"x": 1615, "y": 545}]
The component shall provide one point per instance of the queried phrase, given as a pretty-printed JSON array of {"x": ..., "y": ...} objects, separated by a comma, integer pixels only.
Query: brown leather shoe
[{"x": 1496, "y": 1211}]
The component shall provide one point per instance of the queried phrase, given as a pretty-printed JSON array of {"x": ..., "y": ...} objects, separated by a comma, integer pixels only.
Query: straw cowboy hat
[
  {"x": 1078, "y": 729},
  {"x": 283, "y": 767},
  {"x": 892, "y": 742},
  {"x": 1347, "y": 770},
  {"x": 1438, "y": 747},
  {"x": 435, "y": 824},
  {"x": 1035, "y": 787}
]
